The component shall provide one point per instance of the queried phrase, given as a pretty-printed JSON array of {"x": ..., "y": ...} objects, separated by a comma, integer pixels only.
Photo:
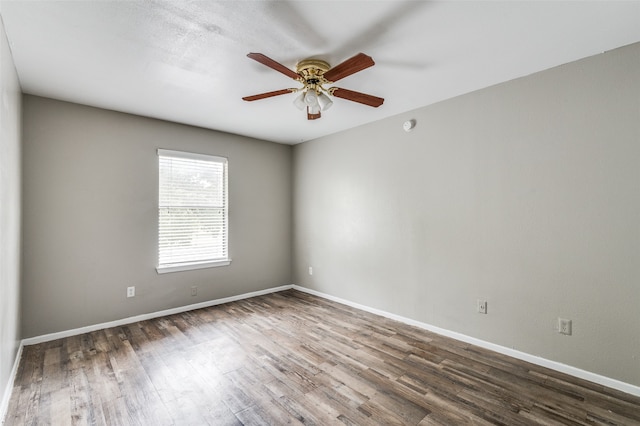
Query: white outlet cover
[{"x": 564, "y": 326}]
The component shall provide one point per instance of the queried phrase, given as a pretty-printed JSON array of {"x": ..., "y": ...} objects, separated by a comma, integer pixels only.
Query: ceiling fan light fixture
[
  {"x": 311, "y": 98},
  {"x": 299, "y": 102},
  {"x": 314, "y": 109},
  {"x": 324, "y": 101}
]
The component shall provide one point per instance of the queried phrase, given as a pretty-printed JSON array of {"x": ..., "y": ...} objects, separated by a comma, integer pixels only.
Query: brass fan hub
[
  {"x": 312, "y": 66},
  {"x": 311, "y": 71}
]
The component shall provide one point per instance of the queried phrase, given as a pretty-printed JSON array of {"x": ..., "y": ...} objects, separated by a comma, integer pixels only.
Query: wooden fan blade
[
  {"x": 265, "y": 60},
  {"x": 266, "y": 95},
  {"x": 362, "y": 98},
  {"x": 348, "y": 67},
  {"x": 312, "y": 116}
]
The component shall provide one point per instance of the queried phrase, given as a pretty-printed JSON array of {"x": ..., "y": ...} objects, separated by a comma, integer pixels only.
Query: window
[{"x": 192, "y": 211}]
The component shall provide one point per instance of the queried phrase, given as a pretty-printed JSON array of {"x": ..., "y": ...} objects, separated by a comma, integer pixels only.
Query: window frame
[{"x": 187, "y": 266}]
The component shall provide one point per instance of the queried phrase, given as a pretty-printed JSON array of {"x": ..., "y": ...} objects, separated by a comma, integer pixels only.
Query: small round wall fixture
[{"x": 409, "y": 125}]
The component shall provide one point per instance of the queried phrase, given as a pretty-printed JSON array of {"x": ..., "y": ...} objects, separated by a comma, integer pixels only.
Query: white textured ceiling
[{"x": 185, "y": 61}]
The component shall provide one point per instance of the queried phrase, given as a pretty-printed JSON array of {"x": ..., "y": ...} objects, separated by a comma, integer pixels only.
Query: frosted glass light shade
[
  {"x": 311, "y": 98},
  {"x": 315, "y": 109},
  {"x": 299, "y": 102},
  {"x": 324, "y": 101}
]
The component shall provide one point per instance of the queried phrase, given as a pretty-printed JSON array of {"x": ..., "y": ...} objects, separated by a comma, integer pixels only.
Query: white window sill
[{"x": 192, "y": 266}]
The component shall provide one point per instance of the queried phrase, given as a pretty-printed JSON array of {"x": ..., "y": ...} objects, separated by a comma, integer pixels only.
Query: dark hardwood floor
[{"x": 292, "y": 358}]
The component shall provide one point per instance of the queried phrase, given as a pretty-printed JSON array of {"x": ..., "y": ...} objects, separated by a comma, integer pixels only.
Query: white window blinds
[{"x": 192, "y": 211}]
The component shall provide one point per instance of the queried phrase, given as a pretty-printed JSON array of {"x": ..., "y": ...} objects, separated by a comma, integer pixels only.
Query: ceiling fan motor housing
[{"x": 312, "y": 72}]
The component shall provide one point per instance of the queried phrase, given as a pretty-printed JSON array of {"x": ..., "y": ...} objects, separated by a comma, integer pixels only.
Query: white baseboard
[
  {"x": 144, "y": 317},
  {"x": 543, "y": 362},
  {"x": 6, "y": 397},
  {"x": 130, "y": 320},
  {"x": 563, "y": 368}
]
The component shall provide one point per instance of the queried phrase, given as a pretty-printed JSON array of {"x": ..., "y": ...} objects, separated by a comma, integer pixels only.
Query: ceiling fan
[{"x": 314, "y": 74}]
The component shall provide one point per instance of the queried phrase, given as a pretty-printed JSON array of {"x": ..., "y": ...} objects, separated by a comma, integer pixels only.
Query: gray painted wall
[
  {"x": 90, "y": 216},
  {"x": 10, "y": 99},
  {"x": 526, "y": 194}
]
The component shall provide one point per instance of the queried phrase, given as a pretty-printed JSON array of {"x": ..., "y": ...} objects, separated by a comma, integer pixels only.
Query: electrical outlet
[
  {"x": 482, "y": 306},
  {"x": 564, "y": 326},
  {"x": 131, "y": 291},
  {"x": 194, "y": 290},
  {"x": 310, "y": 270}
]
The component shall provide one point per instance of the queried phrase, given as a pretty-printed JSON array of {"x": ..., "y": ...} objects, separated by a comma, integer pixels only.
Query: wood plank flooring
[{"x": 292, "y": 358}]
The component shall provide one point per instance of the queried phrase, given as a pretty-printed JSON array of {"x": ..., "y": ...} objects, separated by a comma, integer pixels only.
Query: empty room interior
[{"x": 320, "y": 212}]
